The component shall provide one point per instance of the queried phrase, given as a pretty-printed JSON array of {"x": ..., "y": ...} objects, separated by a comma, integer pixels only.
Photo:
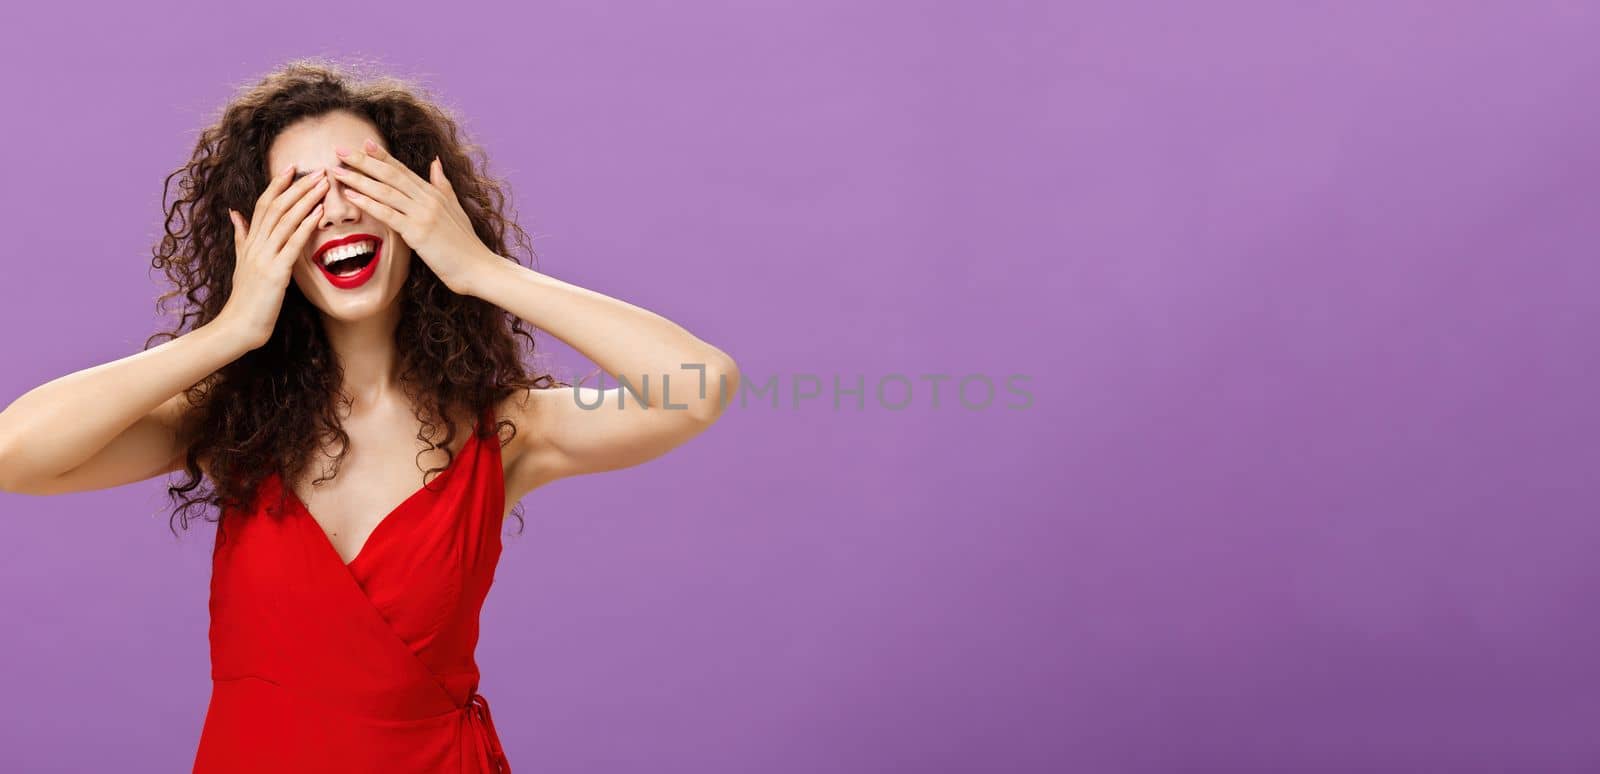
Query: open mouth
[{"x": 349, "y": 262}]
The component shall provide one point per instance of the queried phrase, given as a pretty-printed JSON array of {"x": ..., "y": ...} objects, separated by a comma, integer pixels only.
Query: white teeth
[{"x": 346, "y": 251}]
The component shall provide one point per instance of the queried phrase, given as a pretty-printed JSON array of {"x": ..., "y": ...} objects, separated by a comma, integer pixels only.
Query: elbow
[
  {"x": 722, "y": 386},
  {"x": 7, "y": 465}
]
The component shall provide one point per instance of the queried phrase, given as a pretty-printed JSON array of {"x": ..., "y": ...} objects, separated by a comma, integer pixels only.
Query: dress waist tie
[{"x": 478, "y": 713}]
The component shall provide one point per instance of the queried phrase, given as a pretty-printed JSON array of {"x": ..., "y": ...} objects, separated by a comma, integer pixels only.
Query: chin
[{"x": 353, "y": 310}]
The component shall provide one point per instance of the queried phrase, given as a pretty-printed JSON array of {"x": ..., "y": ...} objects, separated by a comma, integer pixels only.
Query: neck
[{"x": 366, "y": 350}]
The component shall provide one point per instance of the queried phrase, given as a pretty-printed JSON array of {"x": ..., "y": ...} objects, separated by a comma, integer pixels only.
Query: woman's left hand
[{"x": 425, "y": 213}]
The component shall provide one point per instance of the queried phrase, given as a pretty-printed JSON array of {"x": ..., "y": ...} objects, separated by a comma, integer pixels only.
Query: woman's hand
[
  {"x": 265, "y": 251},
  {"x": 426, "y": 213}
]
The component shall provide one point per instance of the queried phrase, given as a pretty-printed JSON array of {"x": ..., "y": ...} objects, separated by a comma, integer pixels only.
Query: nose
[{"x": 336, "y": 208}]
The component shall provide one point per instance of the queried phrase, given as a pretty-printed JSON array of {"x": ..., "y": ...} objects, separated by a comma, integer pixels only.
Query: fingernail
[
  {"x": 340, "y": 151},
  {"x": 370, "y": 145}
]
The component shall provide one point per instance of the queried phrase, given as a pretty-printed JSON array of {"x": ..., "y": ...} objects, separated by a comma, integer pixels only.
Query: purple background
[{"x": 1306, "y": 291}]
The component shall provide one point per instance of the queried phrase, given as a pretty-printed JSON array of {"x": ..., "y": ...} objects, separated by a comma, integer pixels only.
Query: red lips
[{"x": 354, "y": 280}]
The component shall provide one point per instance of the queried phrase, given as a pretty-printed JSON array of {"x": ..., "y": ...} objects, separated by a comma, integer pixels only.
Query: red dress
[{"x": 320, "y": 666}]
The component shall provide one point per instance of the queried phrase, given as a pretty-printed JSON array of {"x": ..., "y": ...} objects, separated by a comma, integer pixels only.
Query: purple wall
[{"x": 1306, "y": 291}]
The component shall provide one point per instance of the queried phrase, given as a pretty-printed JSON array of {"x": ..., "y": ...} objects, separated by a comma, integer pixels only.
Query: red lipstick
[{"x": 352, "y": 281}]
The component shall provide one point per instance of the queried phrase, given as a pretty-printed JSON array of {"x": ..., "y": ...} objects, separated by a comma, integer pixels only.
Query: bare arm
[
  {"x": 119, "y": 422},
  {"x": 111, "y": 424},
  {"x": 574, "y": 431},
  {"x": 571, "y": 431}
]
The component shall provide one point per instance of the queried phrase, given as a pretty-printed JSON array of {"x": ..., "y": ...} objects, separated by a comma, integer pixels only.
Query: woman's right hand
[{"x": 265, "y": 251}]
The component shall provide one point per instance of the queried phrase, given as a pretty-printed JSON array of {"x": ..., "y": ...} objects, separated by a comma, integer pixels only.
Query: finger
[
  {"x": 378, "y": 153},
  {"x": 375, "y": 189},
  {"x": 238, "y": 228},
  {"x": 313, "y": 184},
  {"x": 274, "y": 187},
  {"x": 376, "y": 163},
  {"x": 302, "y": 234},
  {"x": 437, "y": 177},
  {"x": 291, "y": 219},
  {"x": 389, "y": 216}
]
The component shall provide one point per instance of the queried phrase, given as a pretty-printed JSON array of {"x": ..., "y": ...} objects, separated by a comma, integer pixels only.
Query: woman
[{"x": 347, "y": 283}]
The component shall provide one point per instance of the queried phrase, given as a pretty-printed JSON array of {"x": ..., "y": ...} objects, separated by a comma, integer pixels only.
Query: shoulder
[
  {"x": 529, "y": 409},
  {"x": 179, "y": 417},
  {"x": 527, "y": 457}
]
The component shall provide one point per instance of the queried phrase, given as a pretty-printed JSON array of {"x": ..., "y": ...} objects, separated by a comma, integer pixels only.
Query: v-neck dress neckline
[{"x": 407, "y": 504}]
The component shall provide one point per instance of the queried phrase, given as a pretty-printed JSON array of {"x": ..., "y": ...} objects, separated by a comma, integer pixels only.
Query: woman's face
[{"x": 309, "y": 145}]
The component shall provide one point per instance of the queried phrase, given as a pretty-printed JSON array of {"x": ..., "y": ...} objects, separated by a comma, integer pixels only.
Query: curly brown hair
[{"x": 252, "y": 416}]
